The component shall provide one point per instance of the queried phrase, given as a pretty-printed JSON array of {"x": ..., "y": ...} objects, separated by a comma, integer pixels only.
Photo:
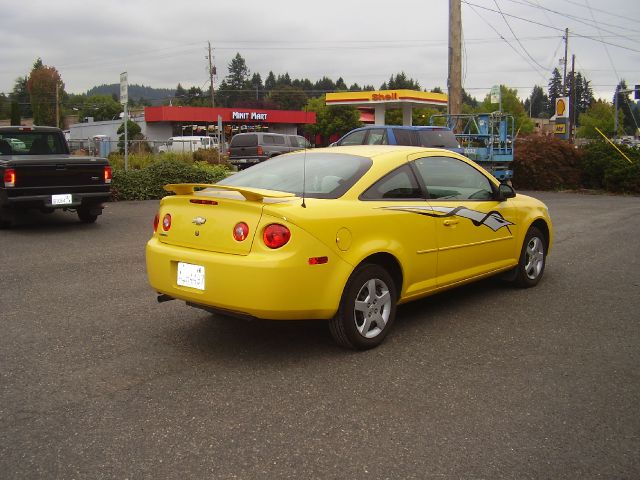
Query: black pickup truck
[{"x": 38, "y": 172}]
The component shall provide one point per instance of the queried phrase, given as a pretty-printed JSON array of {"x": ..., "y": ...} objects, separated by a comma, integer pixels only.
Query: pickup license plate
[
  {"x": 190, "y": 275},
  {"x": 65, "y": 199}
]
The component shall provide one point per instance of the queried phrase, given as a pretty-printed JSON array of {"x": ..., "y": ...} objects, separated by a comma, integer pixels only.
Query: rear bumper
[
  {"x": 273, "y": 285},
  {"x": 246, "y": 160},
  {"x": 26, "y": 201}
]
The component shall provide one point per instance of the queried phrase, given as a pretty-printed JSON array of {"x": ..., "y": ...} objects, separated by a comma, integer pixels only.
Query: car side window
[
  {"x": 278, "y": 140},
  {"x": 404, "y": 137},
  {"x": 377, "y": 136},
  {"x": 449, "y": 178},
  {"x": 356, "y": 138},
  {"x": 268, "y": 140},
  {"x": 400, "y": 184}
]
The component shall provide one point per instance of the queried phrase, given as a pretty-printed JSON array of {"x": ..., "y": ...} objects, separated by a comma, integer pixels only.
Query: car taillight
[
  {"x": 276, "y": 235},
  {"x": 9, "y": 177},
  {"x": 260, "y": 151},
  {"x": 108, "y": 174},
  {"x": 156, "y": 222},
  {"x": 166, "y": 222},
  {"x": 241, "y": 231}
]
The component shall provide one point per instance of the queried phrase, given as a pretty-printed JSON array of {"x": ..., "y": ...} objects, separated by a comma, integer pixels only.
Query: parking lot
[{"x": 98, "y": 380}]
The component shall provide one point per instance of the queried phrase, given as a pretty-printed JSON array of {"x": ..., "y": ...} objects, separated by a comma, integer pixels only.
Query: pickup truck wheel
[
  {"x": 5, "y": 220},
  {"x": 367, "y": 309},
  {"x": 86, "y": 216}
]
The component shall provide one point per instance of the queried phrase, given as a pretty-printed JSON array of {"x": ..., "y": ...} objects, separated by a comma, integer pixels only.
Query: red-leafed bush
[{"x": 545, "y": 163}]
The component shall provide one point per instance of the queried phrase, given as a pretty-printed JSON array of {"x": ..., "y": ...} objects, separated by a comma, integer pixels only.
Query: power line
[
  {"x": 505, "y": 40},
  {"x": 516, "y": 37},
  {"x": 584, "y": 21},
  {"x": 605, "y": 11},
  {"x": 548, "y": 26}
]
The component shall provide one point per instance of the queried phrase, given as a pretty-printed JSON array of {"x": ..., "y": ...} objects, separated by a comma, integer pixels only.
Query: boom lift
[{"x": 487, "y": 138}]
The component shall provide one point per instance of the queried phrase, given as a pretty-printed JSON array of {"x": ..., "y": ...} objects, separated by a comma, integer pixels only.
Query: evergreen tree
[
  {"x": 270, "y": 82},
  {"x": 180, "y": 95},
  {"x": 399, "y": 82},
  {"x": 21, "y": 95},
  {"x": 324, "y": 85},
  {"x": 340, "y": 85},
  {"x": 585, "y": 99},
  {"x": 466, "y": 98},
  {"x": 554, "y": 90},
  {"x": 629, "y": 122},
  {"x": 257, "y": 87},
  {"x": 538, "y": 103}
]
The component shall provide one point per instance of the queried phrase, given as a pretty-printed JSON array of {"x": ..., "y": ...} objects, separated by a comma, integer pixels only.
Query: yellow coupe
[{"x": 343, "y": 234}]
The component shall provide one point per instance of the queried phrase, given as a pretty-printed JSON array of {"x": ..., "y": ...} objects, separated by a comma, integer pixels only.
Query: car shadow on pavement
[
  {"x": 34, "y": 220},
  {"x": 212, "y": 335},
  {"x": 208, "y": 336}
]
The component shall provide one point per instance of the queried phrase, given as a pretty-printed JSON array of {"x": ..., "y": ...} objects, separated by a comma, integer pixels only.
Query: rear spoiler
[{"x": 253, "y": 194}]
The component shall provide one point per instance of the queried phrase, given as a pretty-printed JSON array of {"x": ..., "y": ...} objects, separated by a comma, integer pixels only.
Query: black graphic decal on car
[{"x": 494, "y": 220}]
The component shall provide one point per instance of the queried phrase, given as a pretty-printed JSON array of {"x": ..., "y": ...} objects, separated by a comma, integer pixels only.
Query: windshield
[
  {"x": 327, "y": 175},
  {"x": 31, "y": 143}
]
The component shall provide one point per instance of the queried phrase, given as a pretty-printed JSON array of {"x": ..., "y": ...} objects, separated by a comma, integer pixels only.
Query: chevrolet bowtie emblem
[{"x": 199, "y": 221}]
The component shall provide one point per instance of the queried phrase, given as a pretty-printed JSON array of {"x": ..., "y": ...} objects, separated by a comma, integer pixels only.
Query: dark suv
[
  {"x": 247, "y": 149},
  {"x": 418, "y": 136}
]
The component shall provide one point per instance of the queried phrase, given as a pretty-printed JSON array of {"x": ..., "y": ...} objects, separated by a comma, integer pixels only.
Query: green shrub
[
  {"x": 147, "y": 182},
  {"x": 604, "y": 168},
  {"x": 138, "y": 161}
]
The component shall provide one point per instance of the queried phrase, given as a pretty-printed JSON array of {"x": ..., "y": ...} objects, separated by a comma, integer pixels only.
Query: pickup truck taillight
[
  {"x": 108, "y": 174},
  {"x": 9, "y": 177}
]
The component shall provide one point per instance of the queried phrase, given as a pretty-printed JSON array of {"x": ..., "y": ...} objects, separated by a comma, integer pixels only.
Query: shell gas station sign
[
  {"x": 380, "y": 100},
  {"x": 562, "y": 118}
]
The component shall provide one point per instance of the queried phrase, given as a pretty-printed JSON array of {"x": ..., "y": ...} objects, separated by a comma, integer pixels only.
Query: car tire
[
  {"x": 532, "y": 261},
  {"x": 86, "y": 216},
  {"x": 367, "y": 309}
]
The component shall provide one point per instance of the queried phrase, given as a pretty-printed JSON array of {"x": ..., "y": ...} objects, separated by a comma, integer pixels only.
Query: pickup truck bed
[{"x": 47, "y": 177}]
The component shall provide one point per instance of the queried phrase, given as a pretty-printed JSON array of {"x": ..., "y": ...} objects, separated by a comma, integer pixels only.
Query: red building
[{"x": 174, "y": 121}]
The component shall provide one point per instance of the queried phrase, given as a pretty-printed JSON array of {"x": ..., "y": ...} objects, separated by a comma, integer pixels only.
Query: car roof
[
  {"x": 404, "y": 127},
  {"x": 28, "y": 128}
]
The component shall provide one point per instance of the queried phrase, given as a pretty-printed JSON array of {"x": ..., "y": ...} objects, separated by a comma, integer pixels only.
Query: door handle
[{"x": 451, "y": 222}]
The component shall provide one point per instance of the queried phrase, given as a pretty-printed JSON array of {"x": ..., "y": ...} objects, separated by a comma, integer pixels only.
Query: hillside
[{"x": 136, "y": 92}]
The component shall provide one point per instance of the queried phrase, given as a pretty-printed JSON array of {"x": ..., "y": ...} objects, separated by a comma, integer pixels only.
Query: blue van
[{"x": 417, "y": 136}]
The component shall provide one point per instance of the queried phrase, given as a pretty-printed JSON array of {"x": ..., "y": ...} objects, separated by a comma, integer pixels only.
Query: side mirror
[{"x": 505, "y": 191}]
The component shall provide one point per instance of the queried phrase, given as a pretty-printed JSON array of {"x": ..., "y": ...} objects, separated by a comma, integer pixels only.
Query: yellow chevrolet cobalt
[{"x": 344, "y": 235}]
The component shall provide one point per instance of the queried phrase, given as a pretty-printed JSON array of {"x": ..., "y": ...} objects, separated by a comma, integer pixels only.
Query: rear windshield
[
  {"x": 437, "y": 138},
  {"x": 273, "y": 140},
  {"x": 244, "y": 140},
  {"x": 320, "y": 175},
  {"x": 31, "y": 143}
]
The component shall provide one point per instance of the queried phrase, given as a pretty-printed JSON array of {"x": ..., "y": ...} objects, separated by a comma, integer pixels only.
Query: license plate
[
  {"x": 191, "y": 275},
  {"x": 65, "y": 199}
]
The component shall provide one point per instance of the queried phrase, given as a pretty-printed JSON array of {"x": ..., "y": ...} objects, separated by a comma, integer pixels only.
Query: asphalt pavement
[{"x": 98, "y": 380}]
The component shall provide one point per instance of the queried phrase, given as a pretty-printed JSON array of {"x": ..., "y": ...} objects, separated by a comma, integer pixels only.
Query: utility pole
[
  {"x": 572, "y": 101},
  {"x": 454, "y": 82},
  {"x": 212, "y": 72},
  {"x": 564, "y": 75}
]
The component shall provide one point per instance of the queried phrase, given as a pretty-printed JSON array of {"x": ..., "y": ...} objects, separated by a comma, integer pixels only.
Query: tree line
[{"x": 41, "y": 95}]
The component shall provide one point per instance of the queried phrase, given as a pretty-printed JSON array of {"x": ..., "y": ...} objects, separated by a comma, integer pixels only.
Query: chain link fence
[{"x": 103, "y": 147}]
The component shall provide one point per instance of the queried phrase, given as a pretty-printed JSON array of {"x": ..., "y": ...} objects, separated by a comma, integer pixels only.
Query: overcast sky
[{"x": 162, "y": 43}]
